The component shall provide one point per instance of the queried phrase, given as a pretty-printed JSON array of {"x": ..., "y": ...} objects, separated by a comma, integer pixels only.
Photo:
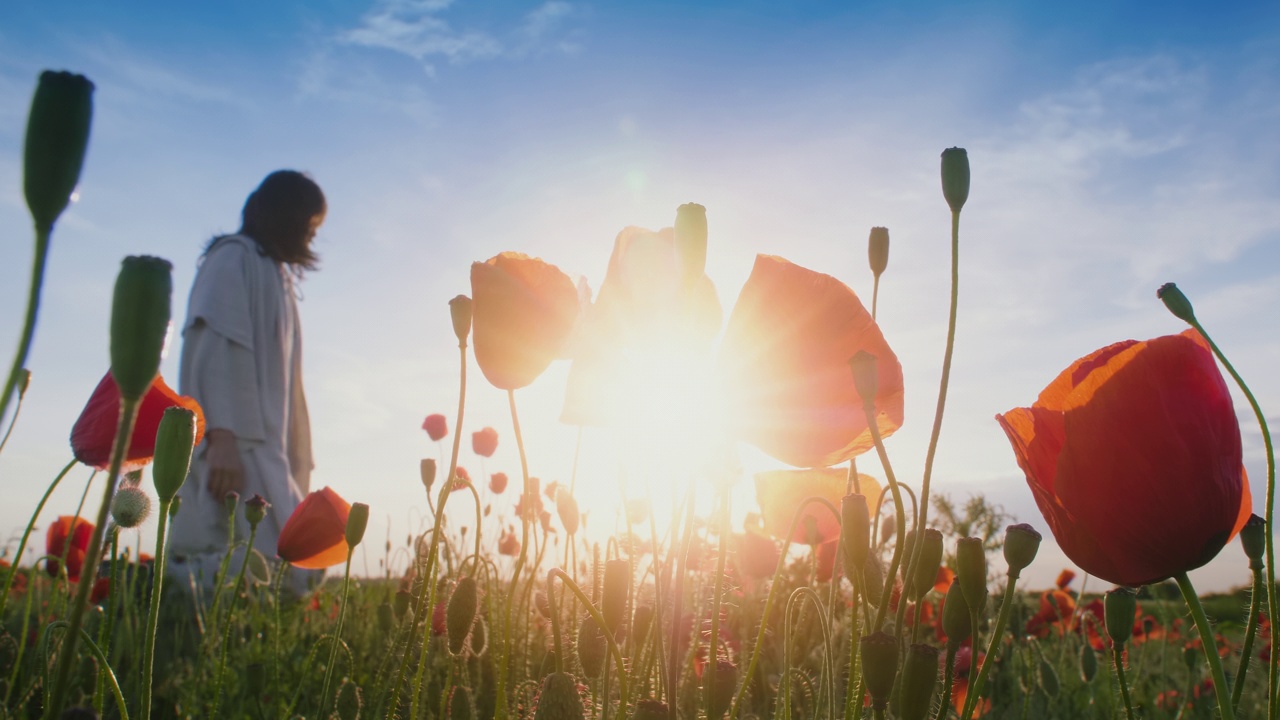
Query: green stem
[
  {"x": 1246, "y": 652},
  {"x": 993, "y": 645},
  {"x": 22, "y": 545},
  {"x": 677, "y": 602},
  {"x": 852, "y": 697},
  {"x": 153, "y": 613},
  {"x": 29, "y": 324},
  {"x": 66, "y": 658},
  {"x": 717, "y": 598},
  {"x": 794, "y": 603},
  {"x": 948, "y": 678},
  {"x": 13, "y": 421},
  {"x": 1220, "y": 689},
  {"x": 226, "y": 630},
  {"x": 501, "y": 711},
  {"x": 875, "y": 295},
  {"x": 102, "y": 661},
  {"x": 337, "y": 634},
  {"x": 869, "y": 409},
  {"x": 608, "y": 636},
  {"x": 1117, "y": 654}
]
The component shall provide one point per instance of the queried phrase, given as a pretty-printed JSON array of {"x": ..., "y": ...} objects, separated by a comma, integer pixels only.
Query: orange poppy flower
[
  {"x": 69, "y": 535},
  {"x": 94, "y": 433},
  {"x": 960, "y": 686},
  {"x": 315, "y": 535},
  {"x": 781, "y": 492},
  {"x": 1064, "y": 579},
  {"x": 508, "y": 543},
  {"x": 1057, "y": 609},
  {"x": 785, "y": 364},
  {"x": 1133, "y": 455},
  {"x": 825, "y": 555},
  {"x": 523, "y": 310}
]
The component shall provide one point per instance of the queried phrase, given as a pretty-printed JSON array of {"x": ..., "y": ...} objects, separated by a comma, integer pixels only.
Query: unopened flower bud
[
  {"x": 592, "y": 646},
  {"x": 386, "y": 618},
  {"x": 130, "y": 506},
  {"x": 1088, "y": 663},
  {"x": 855, "y": 531},
  {"x": 691, "y": 239},
  {"x": 919, "y": 680},
  {"x": 1049, "y": 678},
  {"x": 956, "y": 622},
  {"x": 460, "y": 311},
  {"x": 640, "y": 621},
  {"x": 1191, "y": 657},
  {"x": 1253, "y": 538},
  {"x": 865, "y": 377},
  {"x": 175, "y": 440},
  {"x": 567, "y": 509},
  {"x": 357, "y": 520},
  {"x": 928, "y": 561},
  {"x": 873, "y": 581},
  {"x": 1120, "y": 605},
  {"x": 955, "y": 177},
  {"x": 139, "y": 323},
  {"x": 230, "y": 501},
  {"x": 57, "y": 137},
  {"x": 613, "y": 603},
  {"x": 878, "y": 250},
  {"x": 723, "y": 683},
  {"x": 402, "y": 602},
  {"x": 427, "y": 468},
  {"x": 1021, "y": 542},
  {"x": 879, "y": 666},
  {"x": 559, "y": 699},
  {"x": 1177, "y": 302},
  {"x": 460, "y": 703},
  {"x": 971, "y": 572},
  {"x": 461, "y": 613},
  {"x": 651, "y": 709},
  {"x": 255, "y": 509}
]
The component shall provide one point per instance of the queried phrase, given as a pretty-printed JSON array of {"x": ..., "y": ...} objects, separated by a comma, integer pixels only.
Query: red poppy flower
[
  {"x": 757, "y": 555},
  {"x": 497, "y": 483},
  {"x": 461, "y": 479},
  {"x": 436, "y": 425},
  {"x": 785, "y": 364},
  {"x": 1133, "y": 455},
  {"x": 960, "y": 686},
  {"x": 1057, "y": 610},
  {"x": 314, "y": 536},
  {"x": 1064, "y": 579},
  {"x": 69, "y": 535},
  {"x": 19, "y": 581},
  {"x": 523, "y": 310},
  {"x": 826, "y": 560},
  {"x": 94, "y": 433},
  {"x": 781, "y": 492},
  {"x": 101, "y": 590},
  {"x": 484, "y": 441},
  {"x": 508, "y": 543}
]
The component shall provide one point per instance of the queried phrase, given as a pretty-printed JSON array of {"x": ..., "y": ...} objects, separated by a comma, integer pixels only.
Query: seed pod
[
  {"x": 57, "y": 137},
  {"x": 479, "y": 640},
  {"x": 878, "y": 250},
  {"x": 955, "y": 177},
  {"x": 402, "y": 603},
  {"x": 971, "y": 572},
  {"x": 1253, "y": 538},
  {"x": 865, "y": 378},
  {"x": 592, "y": 646},
  {"x": 873, "y": 581},
  {"x": 461, "y": 614},
  {"x": 925, "y": 573},
  {"x": 919, "y": 679},
  {"x": 559, "y": 699},
  {"x": 460, "y": 312},
  {"x": 357, "y": 521},
  {"x": 130, "y": 506},
  {"x": 613, "y": 604},
  {"x": 427, "y": 470},
  {"x": 1088, "y": 663},
  {"x": 567, "y": 509},
  {"x": 879, "y": 666},
  {"x": 640, "y": 621},
  {"x": 1176, "y": 301},
  {"x": 691, "y": 240},
  {"x": 139, "y": 323},
  {"x": 175, "y": 441},
  {"x": 1120, "y": 605},
  {"x": 1021, "y": 542}
]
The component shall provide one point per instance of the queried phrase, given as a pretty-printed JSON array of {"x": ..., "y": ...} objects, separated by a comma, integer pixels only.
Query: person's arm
[{"x": 226, "y": 471}]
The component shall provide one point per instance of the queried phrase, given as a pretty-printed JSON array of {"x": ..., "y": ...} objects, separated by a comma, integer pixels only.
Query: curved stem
[
  {"x": 793, "y": 604},
  {"x": 993, "y": 645},
  {"x": 13, "y": 421},
  {"x": 102, "y": 660},
  {"x": 22, "y": 545},
  {"x": 337, "y": 634},
  {"x": 608, "y": 636},
  {"x": 1220, "y": 690},
  {"x": 29, "y": 323},
  {"x": 1117, "y": 654},
  {"x": 869, "y": 409},
  {"x": 1246, "y": 651},
  {"x": 153, "y": 612}
]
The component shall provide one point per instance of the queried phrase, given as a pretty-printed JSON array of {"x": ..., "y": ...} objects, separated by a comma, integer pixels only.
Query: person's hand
[{"x": 226, "y": 472}]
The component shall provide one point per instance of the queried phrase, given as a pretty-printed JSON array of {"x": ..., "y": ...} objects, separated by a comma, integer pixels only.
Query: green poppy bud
[
  {"x": 460, "y": 704},
  {"x": 357, "y": 521},
  {"x": 930, "y": 559},
  {"x": 230, "y": 501},
  {"x": 919, "y": 680},
  {"x": 691, "y": 239},
  {"x": 865, "y": 378},
  {"x": 956, "y": 622},
  {"x": 1021, "y": 542},
  {"x": 402, "y": 603},
  {"x": 878, "y": 250},
  {"x": 255, "y": 509},
  {"x": 57, "y": 137},
  {"x": 567, "y": 509},
  {"x": 955, "y": 177},
  {"x": 427, "y": 469},
  {"x": 130, "y": 506},
  {"x": 348, "y": 702},
  {"x": 386, "y": 618},
  {"x": 1191, "y": 657},
  {"x": 617, "y": 584},
  {"x": 651, "y": 709},
  {"x": 640, "y": 621},
  {"x": 1253, "y": 538},
  {"x": 971, "y": 571},
  {"x": 879, "y": 666},
  {"x": 1120, "y": 605},
  {"x": 592, "y": 647},
  {"x": 175, "y": 441},
  {"x": 723, "y": 683},
  {"x": 460, "y": 614},
  {"x": 855, "y": 531},
  {"x": 1177, "y": 302},
  {"x": 139, "y": 323},
  {"x": 1049, "y": 678},
  {"x": 873, "y": 581},
  {"x": 1088, "y": 663},
  {"x": 460, "y": 311},
  {"x": 559, "y": 699}
]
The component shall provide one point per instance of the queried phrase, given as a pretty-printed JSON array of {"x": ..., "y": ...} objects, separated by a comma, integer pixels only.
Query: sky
[{"x": 1113, "y": 148}]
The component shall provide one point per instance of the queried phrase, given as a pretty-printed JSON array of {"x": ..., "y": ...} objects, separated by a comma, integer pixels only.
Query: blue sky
[{"x": 1113, "y": 148}]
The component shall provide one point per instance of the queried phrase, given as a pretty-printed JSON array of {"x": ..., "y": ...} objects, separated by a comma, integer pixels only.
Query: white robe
[{"x": 242, "y": 361}]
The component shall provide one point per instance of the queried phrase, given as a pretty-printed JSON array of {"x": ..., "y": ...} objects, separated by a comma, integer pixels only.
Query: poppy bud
[
  {"x": 955, "y": 177},
  {"x": 175, "y": 440},
  {"x": 651, "y": 709},
  {"x": 908, "y": 549},
  {"x": 855, "y": 530},
  {"x": 1191, "y": 657},
  {"x": 24, "y": 382},
  {"x": 1120, "y": 605},
  {"x": 460, "y": 703},
  {"x": 1177, "y": 302},
  {"x": 402, "y": 602},
  {"x": 386, "y": 618},
  {"x": 548, "y": 666},
  {"x": 357, "y": 520},
  {"x": 878, "y": 250},
  {"x": 541, "y": 604},
  {"x": 971, "y": 572},
  {"x": 640, "y": 621},
  {"x": 57, "y": 136},
  {"x": 567, "y": 509},
  {"x": 919, "y": 679},
  {"x": 255, "y": 509},
  {"x": 956, "y": 622},
  {"x": 613, "y": 604},
  {"x": 139, "y": 323},
  {"x": 927, "y": 564},
  {"x": 230, "y": 501},
  {"x": 888, "y": 526},
  {"x": 879, "y": 666},
  {"x": 461, "y": 613},
  {"x": 1253, "y": 538},
  {"x": 723, "y": 683},
  {"x": 497, "y": 483},
  {"x": 1088, "y": 663},
  {"x": 559, "y": 699},
  {"x": 460, "y": 311},
  {"x": 174, "y": 504},
  {"x": 130, "y": 506},
  {"x": 348, "y": 702},
  {"x": 592, "y": 647},
  {"x": 427, "y": 469},
  {"x": 873, "y": 581},
  {"x": 865, "y": 378},
  {"x": 691, "y": 239},
  {"x": 1021, "y": 542}
]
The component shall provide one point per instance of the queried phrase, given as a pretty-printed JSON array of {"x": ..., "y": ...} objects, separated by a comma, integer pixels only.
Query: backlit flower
[
  {"x": 497, "y": 483},
  {"x": 781, "y": 492},
  {"x": 314, "y": 536},
  {"x": 1133, "y": 455},
  {"x": 484, "y": 442},
  {"x": 70, "y": 536},
  {"x": 1056, "y": 615},
  {"x": 436, "y": 425},
  {"x": 785, "y": 367},
  {"x": 93, "y": 435},
  {"x": 508, "y": 543},
  {"x": 523, "y": 310}
]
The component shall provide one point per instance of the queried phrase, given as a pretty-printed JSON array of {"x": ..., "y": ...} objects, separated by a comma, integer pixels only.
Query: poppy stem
[
  {"x": 1246, "y": 654},
  {"x": 713, "y": 656},
  {"x": 13, "y": 421},
  {"x": 1210, "y": 645},
  {"x": 526, "y": 506},
  {"x": 22, "y": 545},
  {"x": 572, "y": 586},
  {"x": 1117, "y": 655},
  {"x": 153, "y": 612},
  {"x": 677, "y": 604},
  {"x": 231, "y": 614},
  {"x": 993, "y": 645},
  {"x": 29, "y": 325},
  {"x": 948, "y": 678},
  {"x": 75, "y": 623},
  {"x": 337, "y": 633},
  {"x": 869, "y": 409},
  {"x": 852, "y": 695}
]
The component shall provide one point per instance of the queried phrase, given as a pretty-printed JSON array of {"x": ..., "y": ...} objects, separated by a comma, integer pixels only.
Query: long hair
[{"x": 278, "y": 216}]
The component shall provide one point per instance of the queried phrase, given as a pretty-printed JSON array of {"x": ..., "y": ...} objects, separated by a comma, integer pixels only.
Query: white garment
[{"x": 242, "y": 361}]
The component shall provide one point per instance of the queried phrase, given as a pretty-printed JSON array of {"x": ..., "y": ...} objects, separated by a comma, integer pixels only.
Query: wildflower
[
  {"x": 436, "y": 425},
  {"x": 497, "y": 483},
  {"x": 94, "y": 433},
  {"x": 314, "y": 536},
  {"x": 781, "y": 492},
  {"x": 484, "y": 442},
  {"x": 523, "y": 310},
  {"x": 1125, "y": 424},
  {"x": 1057, "y": 609},
  {"x": 960, "y": 686},
  {"x": 1065, "y": 578},
  {"x": 508, "y": 543},
  {"x": 69, "y": 535},
  {"x": 101, "y": 590},
  {"x": 757, "y": 555}
]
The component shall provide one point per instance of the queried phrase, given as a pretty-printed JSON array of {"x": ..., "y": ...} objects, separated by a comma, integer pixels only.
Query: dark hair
[{"x": 278, "y": 217}]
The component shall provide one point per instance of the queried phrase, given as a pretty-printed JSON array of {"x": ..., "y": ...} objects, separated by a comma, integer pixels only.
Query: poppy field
[{"x": 851, "y": 593}]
